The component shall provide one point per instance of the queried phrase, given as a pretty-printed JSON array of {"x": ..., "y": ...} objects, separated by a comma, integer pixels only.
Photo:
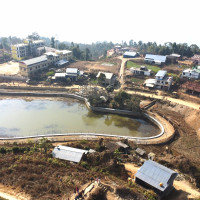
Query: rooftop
[
  {"x": 35, "y": 60},
  {"x": 68, "y": 153},
  {"x": 156, "y": 58},
  {"x": 129, "y": 53},
  {"x": 153, "y": 173},
  {"x": 107, "y": 74},
  {"x": 161, "y": 73},
  {"x": 72, "y": 70}
]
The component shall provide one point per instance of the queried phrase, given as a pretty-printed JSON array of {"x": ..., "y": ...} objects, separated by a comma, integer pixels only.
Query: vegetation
[{"x": 152, "y": 47}]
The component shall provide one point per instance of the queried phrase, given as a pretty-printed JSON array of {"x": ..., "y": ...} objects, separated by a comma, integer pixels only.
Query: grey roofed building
[
  {"x": 157, "y": 176},
  {"x": 36, "y": 60},
  {"x": 155, "y": 59},
  {"x": 160, "y": 74},
  {"x": 68, "y": 153},
  {"x": 61, "y": 62},
  {"x": 110, "y": 78},
  {"x": 129, "y": 54},
  {"x": 72, "y": 71}
]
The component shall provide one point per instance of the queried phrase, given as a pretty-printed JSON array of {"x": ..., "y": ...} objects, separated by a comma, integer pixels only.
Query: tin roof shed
[
  {"x": 68, "y": 153},
  {"x": 156, "y": 175}
]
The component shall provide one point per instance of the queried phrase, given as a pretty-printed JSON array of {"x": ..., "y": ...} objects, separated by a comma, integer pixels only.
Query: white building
[
  {"x": 110, "y": 78},
  {"x": 162, "y": 80},
  {"x": 141, "y": 71},
  {"x": 191, "y": 73}
]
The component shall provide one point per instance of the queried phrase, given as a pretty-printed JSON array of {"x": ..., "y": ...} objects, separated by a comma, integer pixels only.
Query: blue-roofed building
[
  {"x": 129, "y": 54},
  {"x": 155, "y": 59},
  {"x": 156, "y": 176}
]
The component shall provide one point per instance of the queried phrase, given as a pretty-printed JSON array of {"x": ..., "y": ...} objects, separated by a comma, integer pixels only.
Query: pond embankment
[{"x": 166, "y": 134}]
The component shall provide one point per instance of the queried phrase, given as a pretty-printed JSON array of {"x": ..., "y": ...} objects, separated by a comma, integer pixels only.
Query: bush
[
  {"x": 3, "y": 150},
  {"x": 50, "y": 73}
]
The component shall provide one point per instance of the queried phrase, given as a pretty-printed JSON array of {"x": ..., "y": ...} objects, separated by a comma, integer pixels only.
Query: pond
[{"x": 41, "y": 117}]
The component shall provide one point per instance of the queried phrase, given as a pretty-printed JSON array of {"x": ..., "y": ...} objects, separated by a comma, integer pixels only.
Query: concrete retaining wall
[{"x": 140, "y": 140}]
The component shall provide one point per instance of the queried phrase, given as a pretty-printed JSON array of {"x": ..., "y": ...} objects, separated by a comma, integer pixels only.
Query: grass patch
[
  {"x": 154, "y": 68},
  {"x": 137, "y": 80}
]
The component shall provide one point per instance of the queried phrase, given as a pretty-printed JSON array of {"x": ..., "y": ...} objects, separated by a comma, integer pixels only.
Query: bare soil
[
  {"x": 89, "y": 66},
  {"x": 9, "y": 68}
]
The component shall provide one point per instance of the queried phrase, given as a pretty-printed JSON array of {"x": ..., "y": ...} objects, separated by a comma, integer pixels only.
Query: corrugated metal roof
[
  {"x": 121, "y": 144},
  {"x": 68, "y": 153},
  {"x": 60, "y": 75},
  {"x": 72, "y": 70},
  {"x": 129, "y": 53},
  {"x": 154, "y": 174},
  {"x": 61, "y": 62},
  {"x": 108, "y": 75},
  {"x": 35, "y": 60},
  {"x": 157, "y": 58},
  {"x": 161, "y": 73}
]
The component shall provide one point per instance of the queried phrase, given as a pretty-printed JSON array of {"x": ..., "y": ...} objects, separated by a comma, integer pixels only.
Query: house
[
  {"x": 110, "y": 78},
  {"x": 41, "y": 50},
  {"x": 143, "y": 71},
  {"x": 196, "y": 58},
  {"x": 173, "y": 58},
  {"x": 162, "y": 80},
  {"x": 129, "y": 54},
  {"x": 155, "y": 59},
  {"x": 110, "y": 52},
  {"x": 193, "y": 73},
  {"x": 156, "y": 176},
  {"x": 68, "y": 153},
  {"x": 72, "y": 73}
]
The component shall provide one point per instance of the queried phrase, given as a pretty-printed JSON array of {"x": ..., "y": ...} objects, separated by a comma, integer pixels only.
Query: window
[
  {"x": 183, "y": 73},
  {"x": 30, "y": 69}
]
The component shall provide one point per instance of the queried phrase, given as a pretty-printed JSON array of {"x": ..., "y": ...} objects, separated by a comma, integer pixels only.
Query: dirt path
[
  {"x": 10, "y": 194},
  {"x": 183, "y": 187},
  {"x": 173, "y": 100}
]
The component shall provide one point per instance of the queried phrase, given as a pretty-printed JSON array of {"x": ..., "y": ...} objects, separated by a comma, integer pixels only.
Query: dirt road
[{"x": 173, "y": 100}]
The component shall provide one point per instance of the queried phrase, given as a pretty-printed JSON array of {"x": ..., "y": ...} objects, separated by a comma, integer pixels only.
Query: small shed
[
  {"x": 140, "y": 152},
  {"x": 112, "y": 146},
  {"x": 68, "y": 153},
  {"x": 156, "y": 176}
]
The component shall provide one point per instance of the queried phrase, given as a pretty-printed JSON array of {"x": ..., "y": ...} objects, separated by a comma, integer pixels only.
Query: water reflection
[{"x": 38, "y": 117}]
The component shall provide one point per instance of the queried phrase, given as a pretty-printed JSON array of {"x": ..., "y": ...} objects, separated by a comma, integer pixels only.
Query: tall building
[{"x": 26, "y": 49}]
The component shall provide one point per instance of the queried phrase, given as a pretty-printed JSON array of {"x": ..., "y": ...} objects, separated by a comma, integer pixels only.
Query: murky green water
[{"x": 38, "y": 117}]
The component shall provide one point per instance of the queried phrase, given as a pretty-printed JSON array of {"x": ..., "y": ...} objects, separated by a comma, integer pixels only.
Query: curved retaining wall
[{"x": 99, "y": 109}]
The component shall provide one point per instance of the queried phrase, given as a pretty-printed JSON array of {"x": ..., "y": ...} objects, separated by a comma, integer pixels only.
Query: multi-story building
[
  {"x": 31, "y": 66},
  {"x": 26, "y": 49},
  {"x": 162, "y": 80}
]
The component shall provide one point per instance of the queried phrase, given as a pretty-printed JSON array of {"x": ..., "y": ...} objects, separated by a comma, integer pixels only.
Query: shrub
[{"x": 3, "y": 150}]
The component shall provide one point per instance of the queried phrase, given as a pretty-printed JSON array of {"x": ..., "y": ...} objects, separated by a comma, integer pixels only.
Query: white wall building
[{"x": 191, "y": 73}]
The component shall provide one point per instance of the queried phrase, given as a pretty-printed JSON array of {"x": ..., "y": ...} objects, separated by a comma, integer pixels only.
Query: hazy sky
[{"x": 88, "y": 21}]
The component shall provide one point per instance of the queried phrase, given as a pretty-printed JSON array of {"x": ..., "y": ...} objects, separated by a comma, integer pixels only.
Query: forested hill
[{"x": 95, "y": 50}]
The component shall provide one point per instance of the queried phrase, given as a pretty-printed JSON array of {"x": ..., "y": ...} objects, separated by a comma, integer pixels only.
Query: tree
[
  {"x": 53, "y": 42},
  {"x": 101, "y": 78},
  {"x": 109, "y": 88},
  {"x": 134, "y": 104},
  {"x": 131, "y": 43},
  {"x": 5, "y": 43},
  {"x": 62, "y": 46},
  {"x": 44, "y": 144},
  {"x": 87, "y": 54},
  {"x": 121, "y": 97},
  {"x": 34, "y": 36}
]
